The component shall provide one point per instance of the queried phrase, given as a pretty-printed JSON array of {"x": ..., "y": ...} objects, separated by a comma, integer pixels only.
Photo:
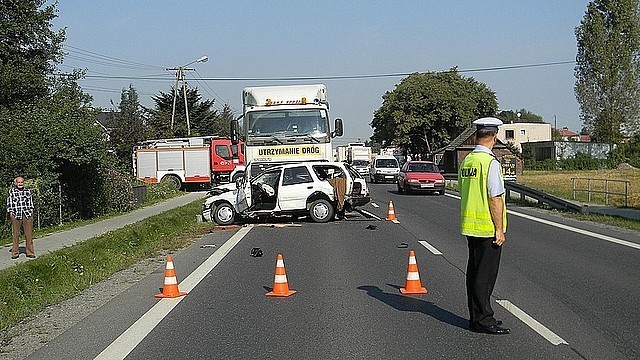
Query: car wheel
[
  {"x": 321, "y": 211},
  {"x": 406, "y": 189},
  {"x": 173, "y": 180},
  {"x": 224, "y": 214},
  {"x": 441, "y": 192},
  {"x": 237, "y": 176}
]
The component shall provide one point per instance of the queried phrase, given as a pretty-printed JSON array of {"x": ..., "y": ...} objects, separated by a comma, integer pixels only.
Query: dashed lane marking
[
  {"x": 429, "y": 247},
  {"x": 532, "y": 323},
  {"x": 128, "y": 340}
]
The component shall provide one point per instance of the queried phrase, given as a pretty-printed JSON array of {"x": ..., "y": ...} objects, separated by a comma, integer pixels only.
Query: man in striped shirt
[{"x": 20, "y": 209}]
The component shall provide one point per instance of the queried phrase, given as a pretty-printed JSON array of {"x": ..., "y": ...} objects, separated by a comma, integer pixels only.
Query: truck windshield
[{"x": 303, "y": 126}]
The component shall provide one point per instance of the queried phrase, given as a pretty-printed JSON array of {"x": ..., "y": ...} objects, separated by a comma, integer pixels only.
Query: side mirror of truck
[
  {"x": 338, "y": 129},
  {"x": 234, "y": 132}
]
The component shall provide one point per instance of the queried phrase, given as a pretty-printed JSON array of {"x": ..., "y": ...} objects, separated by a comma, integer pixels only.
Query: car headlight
[
  {"x": 414, "y": 181},
  {"x": 440, "y": 181}
]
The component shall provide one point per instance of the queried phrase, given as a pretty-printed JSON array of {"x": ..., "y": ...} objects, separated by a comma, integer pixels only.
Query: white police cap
[{"x": 490, "y": 123}]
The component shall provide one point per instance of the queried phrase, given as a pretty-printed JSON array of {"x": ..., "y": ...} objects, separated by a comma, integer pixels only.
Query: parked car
[
  {"x": 384, "y": 168},
  {"x": 419, "y": 176},
  {"x": 309, "y": 188}
]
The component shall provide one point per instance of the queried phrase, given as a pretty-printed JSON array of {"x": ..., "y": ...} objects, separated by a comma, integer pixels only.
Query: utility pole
[{"x": 181, "y": 78}]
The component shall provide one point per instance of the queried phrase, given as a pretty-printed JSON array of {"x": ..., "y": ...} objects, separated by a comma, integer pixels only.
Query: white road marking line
[
  {"x": 532, "y": 323},
  {"x": 579, "y": 231},
  {"x": 429, "y": 247},
  {"x": 395, "y": 221},
  {"x": 571, "y": 228},
  {"x": 128, "y": 340},
  {"x": 375, "y": 205}
]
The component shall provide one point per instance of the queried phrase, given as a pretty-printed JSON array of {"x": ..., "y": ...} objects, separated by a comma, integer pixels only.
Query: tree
[
  {"x": 129, "y": 126},
  {"x": 427, "y": 110},
  {"x": 526, "y": 116},
  {"x": 203, "y": 119},
  {"x": 608, "y": 69},
  {"x": 49, "y": 134},
  {"x": 29, "y": 50}
]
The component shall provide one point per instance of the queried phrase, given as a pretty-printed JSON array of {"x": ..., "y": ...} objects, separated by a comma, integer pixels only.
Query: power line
[
  {"x": 110, "y": 59},
  {"x": 349, "y": 77},
  {"x": 214, "y": 92}
]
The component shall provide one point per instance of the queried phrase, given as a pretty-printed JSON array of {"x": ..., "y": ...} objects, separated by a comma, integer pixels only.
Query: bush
[
  {"x": 116, "y": 191},
  {"x": 579, "y": 162},
  {"x": 158, "y": 192},
  {"x": 583, "y": 162},
  {"x": 546, "y": 165}
]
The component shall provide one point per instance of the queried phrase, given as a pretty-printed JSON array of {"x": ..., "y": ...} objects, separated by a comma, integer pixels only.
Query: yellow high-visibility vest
[{"x": 475, "y": 217}]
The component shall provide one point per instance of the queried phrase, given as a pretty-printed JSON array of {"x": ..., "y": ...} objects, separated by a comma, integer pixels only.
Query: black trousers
[{"x": 482, "y": 271}]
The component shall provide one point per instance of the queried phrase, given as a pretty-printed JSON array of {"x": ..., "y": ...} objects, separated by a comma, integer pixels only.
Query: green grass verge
[{"x": 29, "y": 287}]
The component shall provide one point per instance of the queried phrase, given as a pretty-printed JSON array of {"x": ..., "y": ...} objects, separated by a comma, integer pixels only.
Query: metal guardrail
[
  {"x": 606, "y": 191},
  {"x": 542, "y": 197}
]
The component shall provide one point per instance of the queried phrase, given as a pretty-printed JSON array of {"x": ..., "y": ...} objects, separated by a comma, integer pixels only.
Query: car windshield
[
  {"x": 360, "y": 163},
  {"x": 387, "y": 163},
  {"x": 421, "y": 167},
  {"x": 308, "y": 125}
]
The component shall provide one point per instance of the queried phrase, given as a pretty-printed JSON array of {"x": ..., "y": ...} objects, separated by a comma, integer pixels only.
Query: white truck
[
  {"x": 359, "y": 155},
  {"x": 285, "y": 124}
]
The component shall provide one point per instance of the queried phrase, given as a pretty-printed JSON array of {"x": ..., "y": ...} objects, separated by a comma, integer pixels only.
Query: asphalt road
[{"x": 579, "y": 293}]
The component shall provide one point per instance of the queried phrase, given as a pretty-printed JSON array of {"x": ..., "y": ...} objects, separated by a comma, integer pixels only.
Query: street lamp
[{"x": 180, "y": 77}]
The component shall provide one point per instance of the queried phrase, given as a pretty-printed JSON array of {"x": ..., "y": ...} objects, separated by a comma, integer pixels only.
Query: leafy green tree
[
  {"x": 29, "y": 50},
  {"x": 526, "y": 116},
  {"x": 129, "y": 126},
  {"x": 203, "y": 118},
  {"x": 427, "y": 110},
  {"x": 49, "y": 134},
  {"x": 608, "y": 68}
]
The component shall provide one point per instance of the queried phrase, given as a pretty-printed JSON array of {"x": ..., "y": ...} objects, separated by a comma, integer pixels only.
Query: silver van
[{"x": 384, "y": 168}]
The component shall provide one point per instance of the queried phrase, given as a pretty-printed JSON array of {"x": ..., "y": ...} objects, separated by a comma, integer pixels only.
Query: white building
[{"x": 519, "y": 133}]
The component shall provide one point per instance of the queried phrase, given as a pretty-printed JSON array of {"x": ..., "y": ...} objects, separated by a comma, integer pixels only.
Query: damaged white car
[{"x": 320, "y": 190}]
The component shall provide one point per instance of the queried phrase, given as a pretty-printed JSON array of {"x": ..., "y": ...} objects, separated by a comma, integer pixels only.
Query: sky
[{"x": 258, "y": 43}]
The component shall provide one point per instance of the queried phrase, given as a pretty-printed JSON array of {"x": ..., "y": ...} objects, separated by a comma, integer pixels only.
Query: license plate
[
  {"x": 426, "y": 185},
  {"x": 389, "y": 176}
]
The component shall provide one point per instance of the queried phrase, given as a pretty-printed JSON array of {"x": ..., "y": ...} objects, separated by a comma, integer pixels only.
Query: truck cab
[{"x": 285, "y": 124}]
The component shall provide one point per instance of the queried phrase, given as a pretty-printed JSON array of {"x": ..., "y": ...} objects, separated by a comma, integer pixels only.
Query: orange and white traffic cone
[
  {"x": 413, "y": 285},
  {"x": 392, "y": 213},
  {"x": 170, "y": 288},
  {"x": 280, "y": 285}
]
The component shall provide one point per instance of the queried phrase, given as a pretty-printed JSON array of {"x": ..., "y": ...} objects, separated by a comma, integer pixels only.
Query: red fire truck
[{"x": 193, "y": 160}]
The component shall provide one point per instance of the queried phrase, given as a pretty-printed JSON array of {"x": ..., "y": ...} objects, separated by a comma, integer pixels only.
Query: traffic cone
[
  {"x": 280, "y": 285},
  {"x": 392, "y": 213},
  {"x": 170, "y": 288},
  {"x": 413, "y": 285}
]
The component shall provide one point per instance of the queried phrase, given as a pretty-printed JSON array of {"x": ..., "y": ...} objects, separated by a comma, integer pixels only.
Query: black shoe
[
  {"x": 498, "y": 322},
  {"x": 31, "y": 256},
  {"x": 494, "y": 330},
  {"x": 15, "y": 256}
]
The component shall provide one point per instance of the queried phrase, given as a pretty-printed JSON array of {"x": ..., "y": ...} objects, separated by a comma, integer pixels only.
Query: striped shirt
[{"x": 20, "y": 203}]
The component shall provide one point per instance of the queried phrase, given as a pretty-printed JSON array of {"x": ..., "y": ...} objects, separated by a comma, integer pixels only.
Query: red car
[{"x": 418, "y": 176}]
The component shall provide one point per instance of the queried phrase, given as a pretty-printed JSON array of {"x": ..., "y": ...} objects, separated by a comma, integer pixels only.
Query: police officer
[{"x": 483, "y": 220}]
